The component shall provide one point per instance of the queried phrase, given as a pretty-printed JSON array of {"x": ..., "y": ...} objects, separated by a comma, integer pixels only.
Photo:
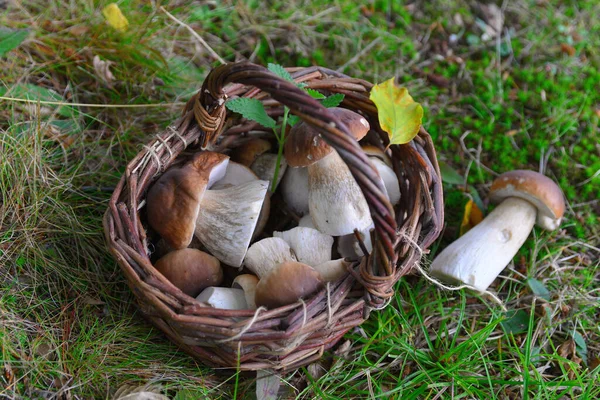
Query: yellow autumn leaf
[
  {"x": 115, "y": 17},
  {"x": 472, "y": 216},
  {"x": 399, "y": 115}
]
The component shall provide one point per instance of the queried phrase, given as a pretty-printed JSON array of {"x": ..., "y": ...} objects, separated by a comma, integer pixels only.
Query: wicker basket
[{"x": 297, "y": 334}]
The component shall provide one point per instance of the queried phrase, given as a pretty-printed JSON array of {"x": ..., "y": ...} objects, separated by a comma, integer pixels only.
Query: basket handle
[{"x": 208, "y": 106}]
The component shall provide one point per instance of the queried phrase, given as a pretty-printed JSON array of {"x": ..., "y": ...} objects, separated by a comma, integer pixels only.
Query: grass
[{"x": 526, "y": 99}]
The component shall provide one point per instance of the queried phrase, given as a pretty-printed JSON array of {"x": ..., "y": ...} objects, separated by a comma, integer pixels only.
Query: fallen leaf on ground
[
  {"x": 115, "y": 17},
  {"x": 567, "y": 49},
  {"x": 102, "y": 69},
  {"x": 472, "y": 216}
]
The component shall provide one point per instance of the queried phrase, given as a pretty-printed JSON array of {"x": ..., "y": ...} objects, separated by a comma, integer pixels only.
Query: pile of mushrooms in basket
[{"x": 212, "y": 212}]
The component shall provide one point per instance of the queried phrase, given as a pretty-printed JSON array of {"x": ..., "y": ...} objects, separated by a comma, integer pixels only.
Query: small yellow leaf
[
  {"x": 472, "y": 216},
  {"x": 115, "y": 17},
  {"x": 399, "y": 115}
]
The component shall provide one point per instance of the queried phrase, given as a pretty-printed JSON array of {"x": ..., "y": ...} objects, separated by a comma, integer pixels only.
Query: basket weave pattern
[{"x": 297, "y": 334}]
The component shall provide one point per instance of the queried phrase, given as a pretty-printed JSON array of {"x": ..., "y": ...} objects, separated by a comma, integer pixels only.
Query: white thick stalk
[
  {"x": 479, "y": 256},
  {"x": 335, "y": 201}
]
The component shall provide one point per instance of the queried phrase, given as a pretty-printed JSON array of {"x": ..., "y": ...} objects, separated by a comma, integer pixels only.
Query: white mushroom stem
[
  {"x": 332, "y": 270},
  {"x": 294, "y": 189},
  {"x": 335, "y": 201},
  {"x": 310, "y": 246},
  {"x": 227, "y": 219},
  {"x": 478, "y": 257},
  {"x": 389, "y": 180},
  {"x": 226, "y": 298},
  {"x": 266, "y": 254}
]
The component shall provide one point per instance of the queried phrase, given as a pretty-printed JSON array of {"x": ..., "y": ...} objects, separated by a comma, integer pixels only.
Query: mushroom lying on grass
[{"x": 479, "y": 256}]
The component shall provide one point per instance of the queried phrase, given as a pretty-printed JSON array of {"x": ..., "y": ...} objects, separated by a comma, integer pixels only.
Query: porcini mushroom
[
  {"x": 249, "y": 151},
  {"x": 348, "y": 245},
  {"x": 374, "y": 151},
  {"x": 227, "y": 220},
  {"x": 237, "y": 174},
  {"x": 309, "y": 245},
  {"x": 225, "y": 298},
  {"x": 479, "y": 256},
  {"x": 336, "y": 202},
  {"x": 179, "y": 206},
  {"x": 389, "y": 180},
  {"x": 287, "y": 283},
  {"x": 332, "y": 270},
  {"x": 306, "y": 222},
  {"x": 247, "y": 283},
  {"x": 190, "y": 270},
  {"x": 267, "y": 253},
  {"x": 173, "y": 202}
]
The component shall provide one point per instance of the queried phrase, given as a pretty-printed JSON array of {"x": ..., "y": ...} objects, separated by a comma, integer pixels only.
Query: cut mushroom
[
  {"x": 264, "y": 167},
  {"x": 266, "y": 254},
  {"x": 336, "y": 202},
  {"x": 247, "y": 283},
  {"x": 238, "y": 174},
  {"x": 479, "y": 256},
  {"x": 224, "y": 298},
  {"x": 332, "y": 270},
  {"x": 224, "y": 220},
  {"x": 228, "y": 218},
  {"x": 286, "y": 283},
  {"x": 294, "y": 190},
  {"x": 190, "y": 270},
  {"x": 310, "y": 246},
  {"x": 173, "y": 202}
]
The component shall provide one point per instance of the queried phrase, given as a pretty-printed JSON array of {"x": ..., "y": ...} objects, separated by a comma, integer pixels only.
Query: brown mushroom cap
[
  {"x": 535, "y": 188},
  {"x": 304, "y": 145},
  {"x": 173, "y": 202},
  {"x": 287, "y": 283},
  {"x": 190, "y": 270},
  {"x": 374, "y": 151},
  {"x": 248, "y": 152}
]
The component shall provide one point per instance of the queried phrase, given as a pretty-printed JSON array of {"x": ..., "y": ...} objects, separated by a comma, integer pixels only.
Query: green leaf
[
  {"x": 251, "y": 109},
  {"x": 475, "y": 197},
  {"x": 280, "y": 72},
  {"x": 450, "y": 175},
  {"x": 580, "y": 346},
  {"x": 293, "y": 120},
  {"x": 11, "y": 39},
  {"x": 538, "y": 289},
  {"x": 515, "y": 322},
  {"x": 333, "y": 101},
  {"x": 315, "y": 94},
  {"x": 399, "y": 115}
]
